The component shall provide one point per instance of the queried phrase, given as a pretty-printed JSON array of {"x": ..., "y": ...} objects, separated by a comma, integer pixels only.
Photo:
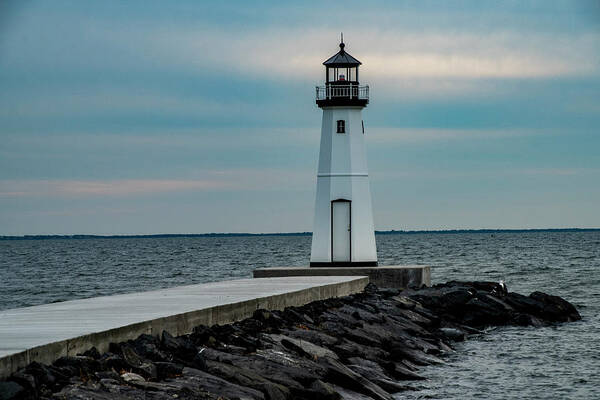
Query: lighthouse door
[{"x": 340, "y": 230}]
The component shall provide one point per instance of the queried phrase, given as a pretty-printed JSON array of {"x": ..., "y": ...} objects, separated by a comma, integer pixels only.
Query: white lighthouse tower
[{"x": 343, "y": 230}]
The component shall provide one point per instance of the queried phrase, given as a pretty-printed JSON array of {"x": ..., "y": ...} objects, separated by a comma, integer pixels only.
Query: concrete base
[{"x": 399, "y": 277}]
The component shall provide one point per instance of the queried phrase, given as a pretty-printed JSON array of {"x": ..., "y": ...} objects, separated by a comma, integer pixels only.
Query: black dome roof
[{"x": 342, "y": 59}]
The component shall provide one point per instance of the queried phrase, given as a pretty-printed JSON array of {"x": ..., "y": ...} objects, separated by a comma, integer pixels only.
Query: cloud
[
  {"x": 75, "y": 188},
  {"x": 396, "y": 62},
  {"x": 378, "y": 135},
  {"x": 390, "y": 53},
  {"x": 559, "y": 171},
  {"x": 115, "y": 101},
  {"x": 514, "y": 174},
  {"x": 211, "y": 181},
  {"x": 385, "y": 54}
]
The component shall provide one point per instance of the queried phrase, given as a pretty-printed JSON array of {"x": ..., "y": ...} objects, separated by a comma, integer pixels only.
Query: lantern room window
[{"x": 341, "y": 126}]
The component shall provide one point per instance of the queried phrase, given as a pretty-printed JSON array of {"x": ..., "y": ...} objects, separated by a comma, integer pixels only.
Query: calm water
[{"x": 522, "y": 363}]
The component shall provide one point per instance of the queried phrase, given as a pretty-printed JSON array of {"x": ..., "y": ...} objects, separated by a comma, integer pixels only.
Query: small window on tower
[{"x": 341, "y": 126}]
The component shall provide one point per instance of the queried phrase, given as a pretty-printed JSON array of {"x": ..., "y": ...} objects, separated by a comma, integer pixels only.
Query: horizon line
[{"x": 243, "y": 234}]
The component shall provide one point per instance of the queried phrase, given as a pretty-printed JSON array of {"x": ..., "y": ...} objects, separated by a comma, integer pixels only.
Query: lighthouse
[
  {"x": 343, "y": 230},
  {"x": 343, "y": 239}
]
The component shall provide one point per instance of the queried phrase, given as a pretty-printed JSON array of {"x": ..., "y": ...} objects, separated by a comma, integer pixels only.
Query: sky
[{"x": 145, "y": 117}]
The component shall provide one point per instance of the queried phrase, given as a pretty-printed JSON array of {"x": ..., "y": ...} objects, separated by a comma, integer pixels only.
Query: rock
[
  {"x": 453, "y": 334},
  {"x": 90, "y": 393},
  {"x": 221, "y": 387},
  {"x": 323, "y": 391},
  {"x": 371, "y": 288},
  {"x": 41, "y": 373},
  {"x": 26, "y": 380},
  {"x": 130, "y": 376},
  {"x": 168, "y": 370},
  {"x": 81, "y": 365},
  {"x": 274, "y": 391},
  {"x": 10, "y": 390},
  {"x": 494, "y": 288},
  {"x": 348, "y": 394},
  {"x": 148, "y": 347},
  {"x": 112, "y": 375},
  {"x": 375, "y": 373},
  {"x": 244, "y": 341},
  {"x": 339, "y": 374},
  {"x": 480, "y": 313},
  {"x": 387, "y": 384},
  {"x": 331, "y": 328},
  {"x": 300, "y": 369},
  {"x": 401, "y": 372},
  {"x": 290, "y": 375},
  {"x": 497, "y": 301},
  {"x": 302, "y": 347},
  {"x": 416, "y": 318},
  {"x": 231, "y": 349},
  {"x": 182, "y": 347},
  {"x": 131, "y": 357},
  {"x": 339, "y": 318},
  {"x": 416, "y": 356},
  {"x": 389, "y": 292},
  {"x": 455, "y": 299},
  {"x": 270, "y": 319},
  {"x": 405, "y": 302},
  {"x": 252, "y": 326},
  {"x": 292, "y": 316},
  {"x": 199, "y": 362},
  {"x": 403, "y": 327},
  {"x": 248, "y": 378},
  {"x": 139, "y": 365},
  {"x": 556, "y": 309},
  {"x": 361, "y": 314},
  {"x": 526, "y": 320},
  {"x": 92, "y": 353},
  {"x": 113, "y": 361},
  {"x": 316, "y": 337},
  {"x": 369, "y": 335},
  {"x": 201, "y": 334},
  {"x": 112, "y": 390},
  {"x": 524, "y": 304},
  {"x": 347, "y": 349},
  {"x": 411, "y": 366}
]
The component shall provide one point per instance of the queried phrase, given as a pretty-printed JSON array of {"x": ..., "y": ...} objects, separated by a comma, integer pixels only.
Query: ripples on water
[{"x": 522, "y": 363}]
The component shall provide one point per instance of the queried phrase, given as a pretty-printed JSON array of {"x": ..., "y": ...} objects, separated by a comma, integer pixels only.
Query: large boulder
[
  {"x": 10, "y": 390},
  {"x": 338, "y": 374},
  {"x": 219, "y": 386}
]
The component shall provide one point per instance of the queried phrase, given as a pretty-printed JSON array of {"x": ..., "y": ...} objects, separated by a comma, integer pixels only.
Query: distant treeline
[{"x": 196, "y": 235}]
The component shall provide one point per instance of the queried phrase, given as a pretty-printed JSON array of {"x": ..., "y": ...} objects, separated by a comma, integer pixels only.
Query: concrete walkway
[{"x": 45, "y": 333}]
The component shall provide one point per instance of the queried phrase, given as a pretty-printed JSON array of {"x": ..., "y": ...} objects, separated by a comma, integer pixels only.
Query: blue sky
[{"x": 190, "y": 117}]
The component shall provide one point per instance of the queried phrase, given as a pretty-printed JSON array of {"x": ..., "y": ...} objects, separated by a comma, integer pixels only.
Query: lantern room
[
  {"x": 341, "y": 68},
  {"x": 341, "y": 82}
]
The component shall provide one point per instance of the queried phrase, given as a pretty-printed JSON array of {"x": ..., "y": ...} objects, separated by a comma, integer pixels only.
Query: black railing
[{"x": 331, "y": 92}]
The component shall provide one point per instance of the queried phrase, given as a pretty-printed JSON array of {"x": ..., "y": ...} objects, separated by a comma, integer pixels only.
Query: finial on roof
[{"x": 342, "y": 45}]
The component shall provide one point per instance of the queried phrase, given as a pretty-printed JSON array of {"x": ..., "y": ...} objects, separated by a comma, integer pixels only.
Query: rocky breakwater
[{"x": 362, "y": 346}]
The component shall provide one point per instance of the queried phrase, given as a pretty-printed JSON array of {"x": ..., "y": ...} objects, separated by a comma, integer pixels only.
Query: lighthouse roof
[{"x": 342, "y": 59}]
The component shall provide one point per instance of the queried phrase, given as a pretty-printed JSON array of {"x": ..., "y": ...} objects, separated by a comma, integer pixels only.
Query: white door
[{"x": 340, "y": 218}]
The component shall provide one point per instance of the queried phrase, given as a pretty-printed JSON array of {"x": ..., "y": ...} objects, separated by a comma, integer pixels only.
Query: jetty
[
  {"x": 366, "y": 345},
  {"x": 47, "y": 332}
]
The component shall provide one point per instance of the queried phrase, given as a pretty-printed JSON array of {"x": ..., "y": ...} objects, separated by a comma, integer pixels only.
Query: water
[{"x": 522, "y": 363}]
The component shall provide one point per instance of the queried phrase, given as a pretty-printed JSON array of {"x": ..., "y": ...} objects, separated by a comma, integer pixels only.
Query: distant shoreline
[{"x": 210, "y": 235}]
